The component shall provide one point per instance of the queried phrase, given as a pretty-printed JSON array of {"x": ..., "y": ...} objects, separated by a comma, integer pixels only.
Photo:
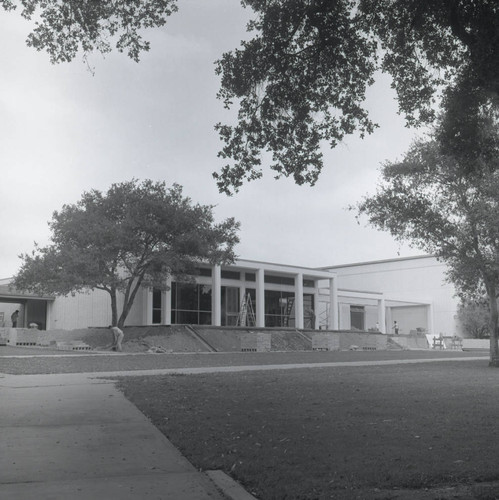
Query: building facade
[
  {"x": 364, "y": 296},
  {"x": 414, "y": 290}
]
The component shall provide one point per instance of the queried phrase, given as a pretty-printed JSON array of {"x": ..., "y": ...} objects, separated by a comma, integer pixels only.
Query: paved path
[
  {"x": 81, "y": 439},
  {"x": 75, "y": 436}
]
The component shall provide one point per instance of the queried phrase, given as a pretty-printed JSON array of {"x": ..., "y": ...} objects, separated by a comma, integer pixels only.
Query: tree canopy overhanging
[
  {"x": 300, "y": 80},
  {"x": 135, "y": 235}
]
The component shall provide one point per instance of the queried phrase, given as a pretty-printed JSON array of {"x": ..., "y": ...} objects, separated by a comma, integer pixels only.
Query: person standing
[
  {"x": 118, "y": 338},
  {"x": 396, "y": 327},
  {"x": 14, "y": 317}
]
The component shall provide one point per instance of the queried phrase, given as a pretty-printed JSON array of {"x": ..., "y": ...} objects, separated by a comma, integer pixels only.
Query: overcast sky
[{"x": 65, "y": 130}]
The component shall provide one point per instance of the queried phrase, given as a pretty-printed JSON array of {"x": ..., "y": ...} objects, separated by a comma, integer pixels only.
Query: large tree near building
[
  {"x": 300, "y": 79},
  {"x": 134, "y": 235},
  {"x": 443, "y": 198}
]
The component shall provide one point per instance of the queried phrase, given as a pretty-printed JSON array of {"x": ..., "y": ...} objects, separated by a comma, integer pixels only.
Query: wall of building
[
  {"x": 80, "y": 311},
  {"x": 84, "y": 310},
  {"x": 418, "y": 279},
  {"x": 409, "y": 318}
]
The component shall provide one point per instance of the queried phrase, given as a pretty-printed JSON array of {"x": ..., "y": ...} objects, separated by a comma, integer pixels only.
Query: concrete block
[
  {"x": 325, "y": 341},
  {"x": 256, "y": 342},
  {"x": 4, "y": 336},
  {"x": 74, "y": 345}
]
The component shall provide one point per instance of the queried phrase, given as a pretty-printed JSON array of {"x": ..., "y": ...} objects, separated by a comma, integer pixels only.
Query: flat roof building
[{"x": 362, "y": 296}]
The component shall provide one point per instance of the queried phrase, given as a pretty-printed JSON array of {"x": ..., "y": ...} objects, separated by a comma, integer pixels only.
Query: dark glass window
[
  {"x": 191, "y": 304},
  {"x": 309, "y": 283},
  {"x": 156, "y": 306},
  {"x": 279, "y": 280},
  {"x": 230, "y": 305},
  {"x": 279, "y": 308},
  {"x": 250, "y": 276},
  {"x": 230, "y": 275},
  {"x": 204, "y": 271},
  {"x": 204, "y": 297}
]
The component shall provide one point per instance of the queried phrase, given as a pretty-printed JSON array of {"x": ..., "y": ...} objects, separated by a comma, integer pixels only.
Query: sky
[{"x": 65, "y": 130}]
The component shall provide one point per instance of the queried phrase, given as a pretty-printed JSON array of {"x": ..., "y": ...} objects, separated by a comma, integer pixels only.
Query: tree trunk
[
  {"x": 127, "y": 306},
  {"x": 114, "y": 307},
  {"x": 494, "y": 349}
]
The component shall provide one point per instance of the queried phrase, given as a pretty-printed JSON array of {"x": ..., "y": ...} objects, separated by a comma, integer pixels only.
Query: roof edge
[{"x": 381, "y": 261}]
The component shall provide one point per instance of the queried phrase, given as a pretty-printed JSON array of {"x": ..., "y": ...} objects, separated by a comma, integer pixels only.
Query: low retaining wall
[
  {"x": 341, "y": 341},
  {"x": 255, "y": 342},
  {"x": 223, "y": 339},
  {"x": 411, "y": 341},
  {"x": 28, "y": 337},
  {"x": 4, "y": 336},
  {"x": 476, "y": 344}
]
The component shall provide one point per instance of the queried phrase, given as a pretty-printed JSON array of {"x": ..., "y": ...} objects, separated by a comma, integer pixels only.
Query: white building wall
[
  {"x": 80, "y": 311},
  {"x": 344, "y": 322},
  {"x": 410, "y": 279},
  {"x": 409, "y": 318},
  {"x": 136, "y": 315},
  {"x": 371, "y": 316},
  {"x": 90, "y": 309}
]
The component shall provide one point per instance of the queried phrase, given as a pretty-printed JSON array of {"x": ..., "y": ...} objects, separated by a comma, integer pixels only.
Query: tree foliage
[
  {"x": 445, "y": 201},
  {"x": 300, "y": 81},
  {"x": 133, "y": 236},
  {"x": 473, "y": 319},
  {"x": 63, "y": 28},
  {"x": 302, "y": 78}
]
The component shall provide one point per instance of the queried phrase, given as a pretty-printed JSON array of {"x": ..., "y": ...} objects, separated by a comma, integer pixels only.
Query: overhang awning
[{"x": 8, "y": 294}]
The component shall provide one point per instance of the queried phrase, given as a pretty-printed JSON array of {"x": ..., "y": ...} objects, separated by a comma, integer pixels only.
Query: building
[
  {"x": 277, "y": 295},
  {"x": 364, "y": 296},
  {"x": 413, "y": 290}
]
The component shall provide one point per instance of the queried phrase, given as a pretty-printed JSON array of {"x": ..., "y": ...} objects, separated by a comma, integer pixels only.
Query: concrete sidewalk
[{"x": 79, "y": 438}]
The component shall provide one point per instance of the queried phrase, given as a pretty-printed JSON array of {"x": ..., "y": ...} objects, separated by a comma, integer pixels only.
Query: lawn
[{"x": 334, "y": 432}]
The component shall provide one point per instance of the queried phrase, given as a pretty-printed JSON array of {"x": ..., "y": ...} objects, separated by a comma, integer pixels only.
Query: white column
[
  {"x": 147, "y": 306},
  {"x": 299, "y": 301},
  {"x": 382, "y": 315},
  {"x": 216, "y": 296},
  {"x": 333, "y": 304},
  {"x": 48, "y": 315},
  {"x": 166, "y": 303},
  {"x": 22, "y": 320},
  {"x": 431, "y": 321},
  {"x": 242, "y": 293},
  {"x": 389, "y": 322},
  {"x": 260, "y": 298}
]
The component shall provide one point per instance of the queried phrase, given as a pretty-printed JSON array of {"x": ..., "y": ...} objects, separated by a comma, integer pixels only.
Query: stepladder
[{"x": 246, "y": 316}]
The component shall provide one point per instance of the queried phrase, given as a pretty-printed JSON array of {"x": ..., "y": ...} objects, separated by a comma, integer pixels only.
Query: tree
[
  {"x": 133, "y": 236},
  {"x": 445, "y": 201},
  {"x": 473, "y": 318},
  {"x": 301, "y": 80}
]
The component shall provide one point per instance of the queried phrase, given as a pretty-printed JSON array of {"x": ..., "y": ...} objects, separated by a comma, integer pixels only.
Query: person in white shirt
[{"x": 118, "y": 338}]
